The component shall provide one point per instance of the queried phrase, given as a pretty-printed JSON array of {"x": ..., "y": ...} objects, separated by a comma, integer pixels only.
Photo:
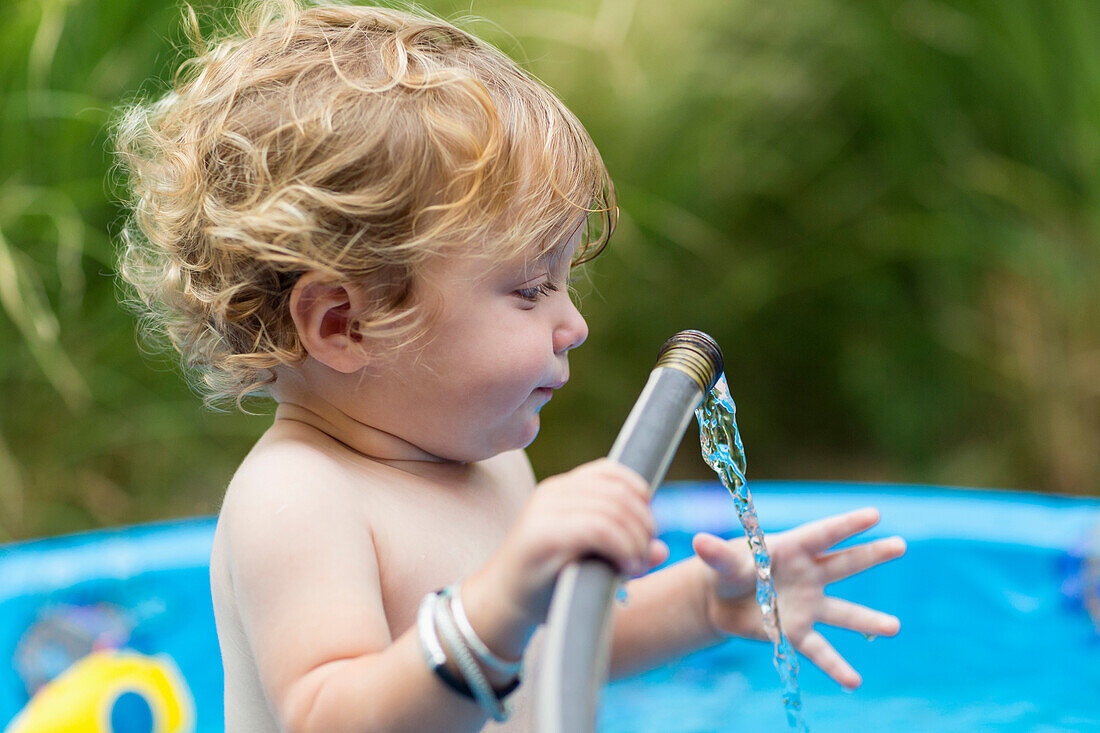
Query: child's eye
[{"x": 533, "y": 294}]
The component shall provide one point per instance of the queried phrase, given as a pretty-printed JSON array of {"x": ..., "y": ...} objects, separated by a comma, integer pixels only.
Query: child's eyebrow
[
  {"x": 548, "y": 258},
  {"x": 555, "y": 254},
  {"x": 545, "y": 260},
  {"x": 544, "y": 265}
]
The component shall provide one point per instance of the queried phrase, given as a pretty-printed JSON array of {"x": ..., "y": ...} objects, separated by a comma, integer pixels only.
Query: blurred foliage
[{"x": 885, "y": 212}]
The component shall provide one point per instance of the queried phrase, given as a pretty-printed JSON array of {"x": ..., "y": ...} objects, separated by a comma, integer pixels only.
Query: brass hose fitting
[{"x": 694, "y": 353}]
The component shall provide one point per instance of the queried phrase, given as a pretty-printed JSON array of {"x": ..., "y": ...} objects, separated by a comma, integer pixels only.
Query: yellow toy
[{"x": 111, "y": 691}]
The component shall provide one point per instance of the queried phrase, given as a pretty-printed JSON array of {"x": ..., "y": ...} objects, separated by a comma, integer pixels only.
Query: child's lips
[{"x": 547, "y": 391}]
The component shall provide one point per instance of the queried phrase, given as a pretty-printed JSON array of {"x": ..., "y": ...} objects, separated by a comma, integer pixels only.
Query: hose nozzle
[{"x": 695, "y": 354}]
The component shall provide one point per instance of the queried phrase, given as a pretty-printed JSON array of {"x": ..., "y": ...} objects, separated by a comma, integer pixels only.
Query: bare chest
[
  {"x": 440, "y": 545},
  {"x": 434, "y": 539}
]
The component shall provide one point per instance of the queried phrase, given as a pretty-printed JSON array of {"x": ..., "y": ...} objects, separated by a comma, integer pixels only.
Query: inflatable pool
[
  {"x": 113, "y": 630},
  {"x": 992, "y": 596}
]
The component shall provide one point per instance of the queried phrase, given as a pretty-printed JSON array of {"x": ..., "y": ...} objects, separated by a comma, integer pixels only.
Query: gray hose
[{"x": 575, "y": 654}]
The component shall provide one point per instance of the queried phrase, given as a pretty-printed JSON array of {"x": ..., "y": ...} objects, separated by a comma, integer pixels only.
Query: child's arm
[
  {"x": 308, "y": 590},
  {"x": 706, "y": 598},
  {"x": 306, "y": 586}
]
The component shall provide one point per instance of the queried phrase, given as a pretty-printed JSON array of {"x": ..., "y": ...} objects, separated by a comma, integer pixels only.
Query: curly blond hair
[{"x": 359, "y": 142}]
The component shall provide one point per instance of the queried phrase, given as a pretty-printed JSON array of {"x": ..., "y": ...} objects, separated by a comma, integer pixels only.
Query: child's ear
[{"x": 322, "y": 311}]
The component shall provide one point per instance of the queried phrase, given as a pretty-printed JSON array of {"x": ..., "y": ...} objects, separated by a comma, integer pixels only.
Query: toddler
[{"x": 370, "y": 216}]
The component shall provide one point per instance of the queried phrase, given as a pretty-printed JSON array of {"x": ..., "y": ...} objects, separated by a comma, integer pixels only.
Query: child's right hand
[{"x": 600, "y": 508}]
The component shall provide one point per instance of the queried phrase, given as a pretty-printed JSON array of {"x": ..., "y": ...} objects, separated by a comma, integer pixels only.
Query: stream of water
[{"x": 722, "y": 450}]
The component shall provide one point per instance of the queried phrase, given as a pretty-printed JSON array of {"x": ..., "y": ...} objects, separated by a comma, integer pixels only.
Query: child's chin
[
  {"x": 531, "y": 439},
  {"x": 515, "y": 434},
  {"x": 531, "y": 431},
  {"x": 516, "y": 441}
]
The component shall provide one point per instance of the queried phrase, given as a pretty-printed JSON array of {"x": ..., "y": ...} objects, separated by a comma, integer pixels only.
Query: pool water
[
  {"x": 994, "y": 635},
  {"x": 990, "y": 639}
]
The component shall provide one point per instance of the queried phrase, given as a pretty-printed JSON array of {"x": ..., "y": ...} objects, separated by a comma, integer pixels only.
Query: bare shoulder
[
  {"x": 288, "y": 495},
  {"x": 297, "y": 552},
  {"x": 294, "y": 492},
  {"x": 288, "y": 468}
]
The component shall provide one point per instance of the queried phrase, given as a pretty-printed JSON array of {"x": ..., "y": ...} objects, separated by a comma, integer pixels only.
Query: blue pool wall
[{"x": 158, "y": 573}]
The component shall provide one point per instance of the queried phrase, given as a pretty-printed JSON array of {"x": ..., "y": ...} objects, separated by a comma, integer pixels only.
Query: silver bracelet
[
  {"x": 471, "y": 672},
  {"x": 434, "y": 655},
  {"x": 425, "y": 629},
  {"x": 477, "y": 646}
]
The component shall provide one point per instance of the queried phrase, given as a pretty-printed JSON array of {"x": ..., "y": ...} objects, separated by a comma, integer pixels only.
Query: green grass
[{"x": 885, "y": 212}]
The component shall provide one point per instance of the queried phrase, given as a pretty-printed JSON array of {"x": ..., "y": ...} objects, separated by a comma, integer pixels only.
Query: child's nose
[{"x": 571, "y": 331}]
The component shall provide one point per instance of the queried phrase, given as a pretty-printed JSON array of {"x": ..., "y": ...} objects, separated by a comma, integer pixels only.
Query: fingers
[
  {"x": 617, "y": 521},
  {"x": 822, "y": 653},
  {"x": 843, "y": 563},
  {"x": 608, "y": 469},
  {"x": 658, "y": 552},
  {"x": 630, "y": 514},
  {"x": 847, "y": 615},
  {"x": 821, "y": 534},
  {"x": 631, "y": 511},
  {"x": 623, "y": 493},
  {"x": 717, "y": 553},
  {"x": 602, "y": 531}
]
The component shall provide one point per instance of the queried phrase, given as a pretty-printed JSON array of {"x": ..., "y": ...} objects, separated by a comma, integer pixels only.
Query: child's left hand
[{"x": 801, "y": 568}]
